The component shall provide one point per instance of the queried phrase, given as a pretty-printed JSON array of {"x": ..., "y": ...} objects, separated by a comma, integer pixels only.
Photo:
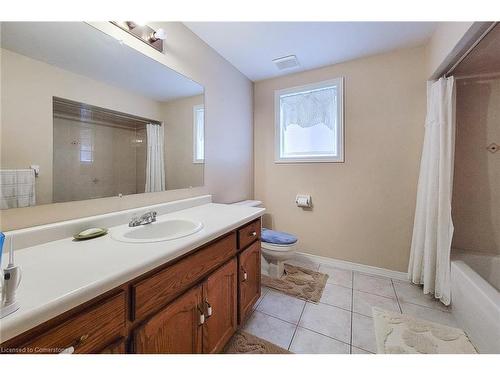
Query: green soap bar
[{"x": 90, "y": 233}]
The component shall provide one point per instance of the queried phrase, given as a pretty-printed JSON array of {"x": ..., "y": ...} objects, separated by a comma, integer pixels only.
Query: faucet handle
[
  {"x": 146, "y": 218},
  {"x": 149, "y": 217},
  {"x": 132, "y": 221}
]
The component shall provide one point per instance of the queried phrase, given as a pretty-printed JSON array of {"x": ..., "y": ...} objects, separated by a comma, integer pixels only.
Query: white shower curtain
[
  {"x": 155, "y": 165},
  {"x": 433, "y": 227}
]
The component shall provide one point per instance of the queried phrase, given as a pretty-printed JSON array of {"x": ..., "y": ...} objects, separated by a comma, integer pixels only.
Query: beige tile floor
[{"x": 341, "y": 323}]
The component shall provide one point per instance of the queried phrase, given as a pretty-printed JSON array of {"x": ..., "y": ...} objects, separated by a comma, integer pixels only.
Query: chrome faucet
[{"x": 147, "y": 218}]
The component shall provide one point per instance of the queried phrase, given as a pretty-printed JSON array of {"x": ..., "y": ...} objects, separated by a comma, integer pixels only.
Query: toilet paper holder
[{"x": 303, "y": 200}]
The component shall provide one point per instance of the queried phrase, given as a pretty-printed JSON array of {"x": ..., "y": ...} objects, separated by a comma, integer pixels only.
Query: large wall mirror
[{"x": 85, "y": 116}]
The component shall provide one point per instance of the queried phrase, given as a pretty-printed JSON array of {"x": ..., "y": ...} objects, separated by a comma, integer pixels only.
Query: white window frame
[
  {"x": 339, "y": 83},
  {"x": 195, "y": 143}
]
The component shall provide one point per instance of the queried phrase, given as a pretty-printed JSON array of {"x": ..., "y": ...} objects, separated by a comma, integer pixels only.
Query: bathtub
[{"x": 475, "y": 285}]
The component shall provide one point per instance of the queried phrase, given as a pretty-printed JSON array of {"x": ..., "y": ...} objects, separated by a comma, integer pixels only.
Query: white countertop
[{"x": 62, "y": 274}]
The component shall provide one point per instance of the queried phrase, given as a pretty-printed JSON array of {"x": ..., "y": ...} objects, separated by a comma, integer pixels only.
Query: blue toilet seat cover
[{"x": 278, "y": 238}]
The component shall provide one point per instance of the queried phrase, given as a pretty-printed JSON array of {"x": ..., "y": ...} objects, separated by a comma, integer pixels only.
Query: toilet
[{"x": 277, "y": 247}]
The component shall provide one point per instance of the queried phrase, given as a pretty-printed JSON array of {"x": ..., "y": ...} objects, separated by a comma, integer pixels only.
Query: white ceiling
[
  {"x": 84, "y": 50},
  {"x": 251, "y": 46}
]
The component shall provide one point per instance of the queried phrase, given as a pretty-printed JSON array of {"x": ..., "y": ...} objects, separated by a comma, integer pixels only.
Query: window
[
  {"x": 86, "y": 146},
  {"x": 198, "y": 134},
  {"x": 309, "y": 123}
]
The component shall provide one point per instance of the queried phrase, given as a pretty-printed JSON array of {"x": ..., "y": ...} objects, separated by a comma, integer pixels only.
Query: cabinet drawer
[
  {"x": 85, "y": 332},
  {"x": 157, "y": 290},
  {"x": 248, "y": 234}
]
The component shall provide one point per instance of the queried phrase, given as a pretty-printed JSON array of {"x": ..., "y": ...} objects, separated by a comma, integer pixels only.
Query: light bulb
[{"x": 160, "y": 34}]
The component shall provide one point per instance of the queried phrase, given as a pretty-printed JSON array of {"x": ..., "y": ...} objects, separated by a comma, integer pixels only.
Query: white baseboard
[{"x": 355, "y": 266}]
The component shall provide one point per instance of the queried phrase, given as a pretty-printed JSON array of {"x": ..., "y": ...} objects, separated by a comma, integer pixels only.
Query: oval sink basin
[{"x": 159, "y": 231}]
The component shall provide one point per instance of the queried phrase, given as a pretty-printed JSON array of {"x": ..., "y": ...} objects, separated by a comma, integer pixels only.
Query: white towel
[{"x": 17, "y": 188}]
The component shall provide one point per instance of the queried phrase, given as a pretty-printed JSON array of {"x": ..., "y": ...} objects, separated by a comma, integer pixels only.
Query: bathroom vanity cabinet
[
  {"x": 208, "y": 312},
  {"x": 192, "y": 304}
]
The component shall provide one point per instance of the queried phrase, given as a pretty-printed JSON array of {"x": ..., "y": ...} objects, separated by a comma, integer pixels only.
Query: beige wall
[
  {"x": 363, "y": 208},
  {"x": 228, "y": 99},
  {"x": 476, "y": 188},
  {"x": 443, "y": 41},
  {"x": 27, "y": 117},
  {"x": 179, "y": 167}
]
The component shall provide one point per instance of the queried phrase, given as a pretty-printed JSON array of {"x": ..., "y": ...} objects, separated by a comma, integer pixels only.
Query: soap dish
[{"x": 87, "y": 234}]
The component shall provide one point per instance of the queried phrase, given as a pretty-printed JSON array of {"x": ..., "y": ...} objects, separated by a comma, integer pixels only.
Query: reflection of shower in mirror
[{"x": 87, "y": 115}]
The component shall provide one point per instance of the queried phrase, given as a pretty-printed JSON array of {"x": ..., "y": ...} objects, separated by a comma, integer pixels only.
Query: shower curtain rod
[
  {"x": 454, "y": 66},
  {"x": 487, "y": 76},
  {"x": 66, "y": 107}
]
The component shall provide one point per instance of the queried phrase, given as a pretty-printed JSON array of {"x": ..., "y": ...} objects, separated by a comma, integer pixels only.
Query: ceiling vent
[{"x": 287, "y": 62}]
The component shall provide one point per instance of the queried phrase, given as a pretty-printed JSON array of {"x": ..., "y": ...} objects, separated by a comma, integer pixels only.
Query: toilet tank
[{"x": 250, "y": 203}]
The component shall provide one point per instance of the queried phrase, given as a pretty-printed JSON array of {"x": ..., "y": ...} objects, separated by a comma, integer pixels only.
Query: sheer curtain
[
  {"x": 310, "y": 109},
  {"x": 433, "y": 227},
  {"x": 155, "y": 165}
]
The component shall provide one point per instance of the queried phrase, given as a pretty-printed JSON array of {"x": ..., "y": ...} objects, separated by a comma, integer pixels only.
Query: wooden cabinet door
[
  {"x": 220, "y": 300},
  {"x": 175, "y": 329},
  {"x": 248, "y": 279},
  {"x": 117, "y": 347}
]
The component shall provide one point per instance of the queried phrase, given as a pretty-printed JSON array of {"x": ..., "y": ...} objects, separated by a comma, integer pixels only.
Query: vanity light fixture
[{"x": 140, "y": 30}]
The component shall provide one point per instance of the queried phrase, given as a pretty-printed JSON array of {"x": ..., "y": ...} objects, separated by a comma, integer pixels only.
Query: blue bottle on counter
[{"x": 2, "y": 239}]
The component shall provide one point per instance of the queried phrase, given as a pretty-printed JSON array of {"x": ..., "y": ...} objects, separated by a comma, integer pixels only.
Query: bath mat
[
  {"x": 245, "y": 343},
  {"x": 404, "y": 334},
  {"x": 299, "y": 282}
]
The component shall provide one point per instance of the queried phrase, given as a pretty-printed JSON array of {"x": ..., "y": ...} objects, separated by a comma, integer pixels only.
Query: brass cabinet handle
[
  {"x": 82, "y": 339},
  {"x": 202, "y": 316},
  {"x": 209, "y": 309},
  {"x": 245, "y": 275},
  {"x": 71, "y": 349}
]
